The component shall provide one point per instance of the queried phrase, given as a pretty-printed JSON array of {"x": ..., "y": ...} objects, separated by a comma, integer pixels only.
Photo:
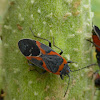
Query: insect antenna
[
  {"x": 68, "y": 85},
  {"x": 74, "y": 71},
  {"x": 84, "y": 67}
]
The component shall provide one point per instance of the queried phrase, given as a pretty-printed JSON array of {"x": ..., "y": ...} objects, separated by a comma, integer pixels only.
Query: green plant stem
[{"x": 69, "y": 22}]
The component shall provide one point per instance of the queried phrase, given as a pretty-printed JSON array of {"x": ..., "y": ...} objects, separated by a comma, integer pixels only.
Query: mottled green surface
[{"x": 69, "y": 22}]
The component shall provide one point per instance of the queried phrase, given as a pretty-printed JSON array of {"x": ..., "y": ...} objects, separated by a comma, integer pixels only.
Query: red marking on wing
[
  {"x": 44, "y": 65},
  {"x": 96, "y": 41},
  {"x": 39, "y": 58},
  {"x": 39, "y": 45},
  {"x": 61, "y": 67},
  {"x": 53, "y": 53}
]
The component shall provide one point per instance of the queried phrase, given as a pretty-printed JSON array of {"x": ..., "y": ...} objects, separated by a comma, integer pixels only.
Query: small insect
[
  {"x": 44, "y": 57},
  {"x": 96, "y": 42}
]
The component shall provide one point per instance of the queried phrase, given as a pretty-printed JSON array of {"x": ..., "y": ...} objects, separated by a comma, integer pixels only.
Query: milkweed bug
[
  {"x": 96, "y": 42},
  {"x": 44, "y": 57}
]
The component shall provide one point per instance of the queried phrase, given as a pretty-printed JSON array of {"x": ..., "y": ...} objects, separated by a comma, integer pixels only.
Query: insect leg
[
  {"x": 61, "y": 77},
  {"x": 40, "y": 37},
  {"x": 57, "y": 47}
]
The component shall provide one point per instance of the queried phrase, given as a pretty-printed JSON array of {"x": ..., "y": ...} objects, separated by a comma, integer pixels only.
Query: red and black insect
[
  {"x": 96, "y": 42},
  {"x": 44, "y": 57}
]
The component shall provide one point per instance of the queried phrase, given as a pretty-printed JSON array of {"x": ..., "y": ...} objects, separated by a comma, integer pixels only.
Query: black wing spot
[
  {"x": 52, "y": 62},
  {"x": 28, "y": 47}
]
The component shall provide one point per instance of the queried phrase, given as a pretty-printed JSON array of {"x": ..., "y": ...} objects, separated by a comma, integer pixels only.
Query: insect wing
[{"x": 97, "y": 31}]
